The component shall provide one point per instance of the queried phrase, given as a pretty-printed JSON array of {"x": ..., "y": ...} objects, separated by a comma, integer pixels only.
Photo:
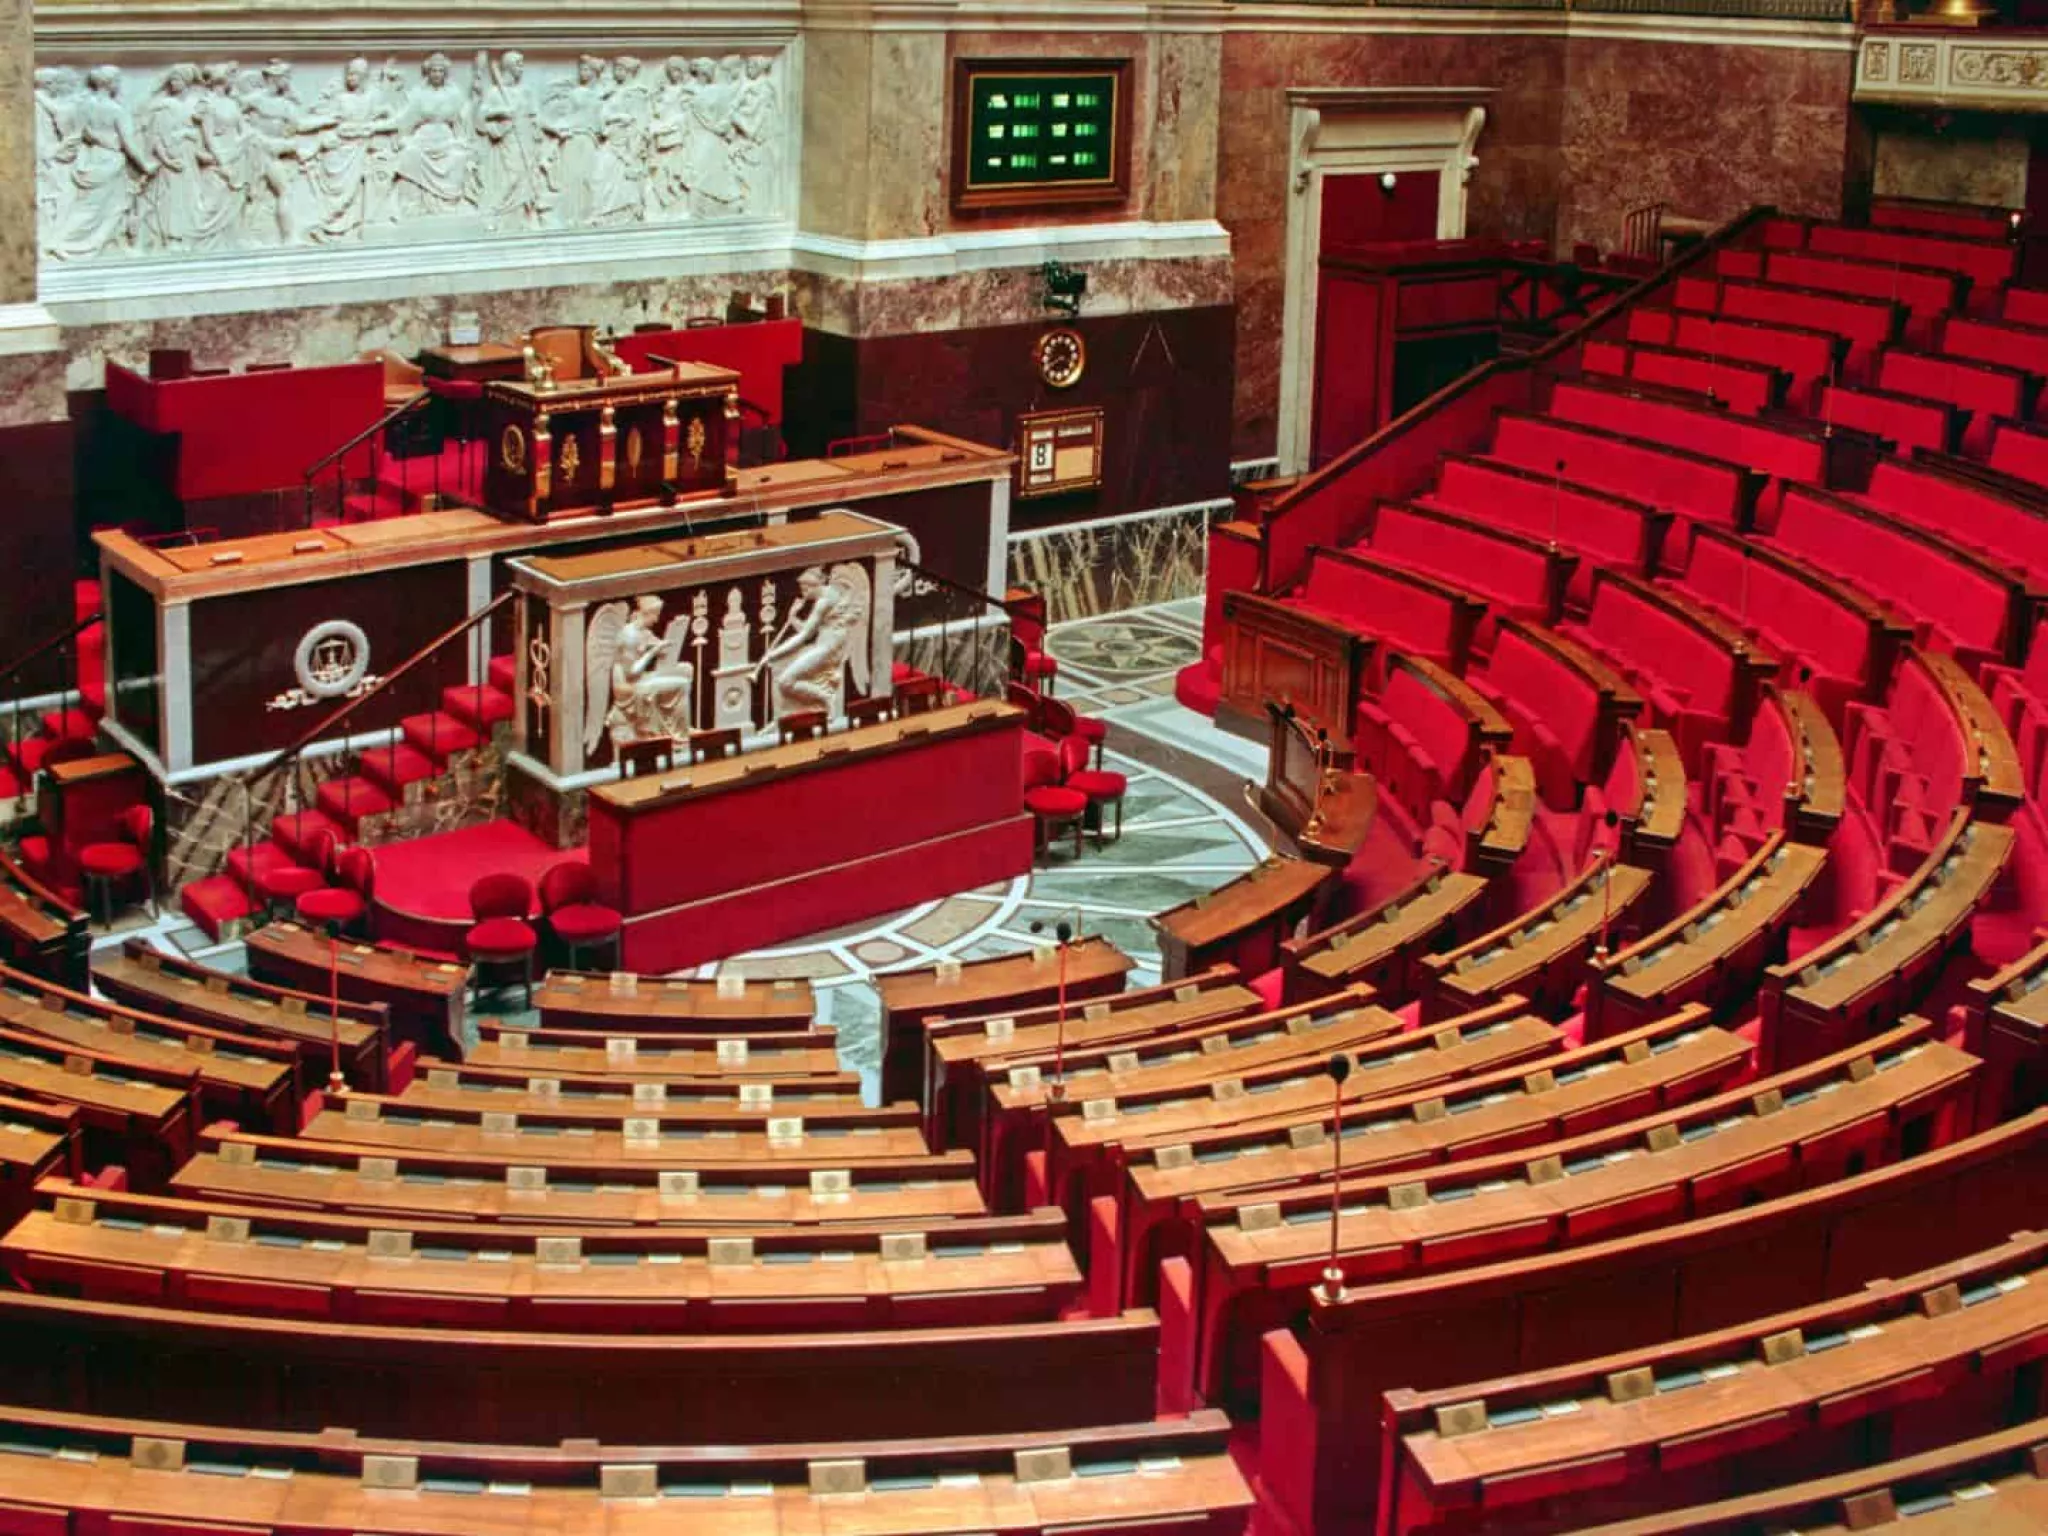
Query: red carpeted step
[
  {"x": 396, "y": 767},
  {"x": 437, "y": 734},
  {"x": 350, "y": 798},
  {"x": 481, "y": 706},
  {"x": 503, "y": 673},
  {"x": 248, "y": 862},
  {"x": 291, "y": 832},
  {"x": 215, "y": 902},
  {"x": 85, "y": 598}
]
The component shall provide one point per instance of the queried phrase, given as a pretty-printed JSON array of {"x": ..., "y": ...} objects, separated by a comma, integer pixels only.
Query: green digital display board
[{"x": 1042, "y": 133}]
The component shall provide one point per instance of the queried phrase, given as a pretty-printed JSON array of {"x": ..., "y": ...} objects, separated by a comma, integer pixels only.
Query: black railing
[
  {"x": 289, "y": 760},
  {"x": 373, "y": 437},
  {"x": 964, "y": 612},
  {"x": 59, "y": 651}
]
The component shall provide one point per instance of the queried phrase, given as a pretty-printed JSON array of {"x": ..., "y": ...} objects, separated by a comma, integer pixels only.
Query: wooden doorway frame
[{"x": 1359, "y": 132}]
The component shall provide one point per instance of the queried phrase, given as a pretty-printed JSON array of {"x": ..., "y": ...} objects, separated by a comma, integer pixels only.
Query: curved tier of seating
[{"x": 1689, "y": 989}]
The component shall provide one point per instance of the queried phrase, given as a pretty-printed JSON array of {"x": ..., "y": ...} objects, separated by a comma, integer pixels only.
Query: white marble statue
[
  {"x": 826, "y": 635},
  {"x": 637, "y": 685},
  {"x": 190, "y": 159}
]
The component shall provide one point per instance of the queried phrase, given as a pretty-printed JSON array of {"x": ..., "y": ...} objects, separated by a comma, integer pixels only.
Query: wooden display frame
[
  {"x": 1113, "y": 188},
  {"x": 1046, "y": 438}
]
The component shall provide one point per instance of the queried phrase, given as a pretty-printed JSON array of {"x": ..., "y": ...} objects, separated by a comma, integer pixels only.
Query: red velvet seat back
[{"x": 501, "y": 895}]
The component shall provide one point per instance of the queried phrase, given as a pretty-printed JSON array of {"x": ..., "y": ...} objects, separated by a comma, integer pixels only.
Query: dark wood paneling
[
  {"x": 38, "y": 548},
  {"x": 1163, "y": 380}
]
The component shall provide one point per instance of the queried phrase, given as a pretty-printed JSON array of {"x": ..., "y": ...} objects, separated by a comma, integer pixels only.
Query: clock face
[{"x": 1061, "y": 356}]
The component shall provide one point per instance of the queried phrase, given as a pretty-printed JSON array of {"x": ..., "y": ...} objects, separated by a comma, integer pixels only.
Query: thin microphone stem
[
  {"x": 1332, "y": 1288},
  {"x": 336, "y": 1083}
]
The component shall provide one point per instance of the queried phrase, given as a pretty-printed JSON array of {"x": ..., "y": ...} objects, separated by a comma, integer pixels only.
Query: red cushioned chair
[
  {"x": 1052, "y": 805},
  {"x": 568, "y": 893},
  {"x": 502, "y": 936},
  {"x": 120, "y": 860},
  {"x": 1101, "y": 787},
  {"x": 1061, "y": 719},
  {"x": 1035, "y": 669},
  {"x": 345, "y": 904},
  {"x": 282, "y": 884}
]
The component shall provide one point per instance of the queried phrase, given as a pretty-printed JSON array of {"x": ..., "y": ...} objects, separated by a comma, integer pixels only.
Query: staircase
[
  {"x": 392, "y": 792},
  {"x": 62, "y": 731}
]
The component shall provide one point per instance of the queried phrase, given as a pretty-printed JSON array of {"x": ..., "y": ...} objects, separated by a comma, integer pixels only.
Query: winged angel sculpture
[
  {"x": 826, "y": 633},
  {"x": 636, "y": 684}
]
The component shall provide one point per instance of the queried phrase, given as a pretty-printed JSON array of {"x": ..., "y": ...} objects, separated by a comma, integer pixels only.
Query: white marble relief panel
[{"x": 194, "y": 158}]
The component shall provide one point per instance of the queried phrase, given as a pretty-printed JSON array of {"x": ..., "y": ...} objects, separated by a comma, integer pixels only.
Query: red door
[{"x": 1354, "y": 320}]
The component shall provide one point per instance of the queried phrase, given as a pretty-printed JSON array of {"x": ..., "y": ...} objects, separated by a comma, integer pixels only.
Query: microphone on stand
[
  {"x": 1064, "y": 932},
  {"x": 1332, "y": 1287}
]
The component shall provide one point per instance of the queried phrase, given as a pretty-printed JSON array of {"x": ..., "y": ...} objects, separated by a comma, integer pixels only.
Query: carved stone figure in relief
[
  {"x": 60, "y": 131},
  {"x": 573, "y": 116},
  {"x": 432, "y": 168},
  {"x": 757, "y": 127},
  {"x": 108, "y": 166},
  {"x": 505, "y": 174},
  {"x": 274, "y": 130},
  {"x": 714, "y": 190},
  {"x": 637, "y": 684},
  {"x": 201, "y": 158},
  {"x": 619, "y": 194},
  {"x": 223, "y": 150},
  {"x": 346, "y": 118},
  {"x": 829, "y": 619},
  {"x": 668, "y": 142}
]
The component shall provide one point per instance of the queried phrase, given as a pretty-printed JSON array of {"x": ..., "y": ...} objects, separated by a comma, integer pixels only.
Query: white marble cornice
[
  {"x": 117, "y": 30},
  {"x": 1305, "y": 16},
  {"x": 974, "y": 250},
  {"x": 1143, "y": 16}
]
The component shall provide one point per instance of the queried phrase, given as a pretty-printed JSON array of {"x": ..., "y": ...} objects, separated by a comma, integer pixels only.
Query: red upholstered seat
[
  {"x": 346, "y": 903},
  {"x": 119, "y": 859},
  {"x": 1100, "y": 788},
  {"x": 330, "y": 904},
  {"x": 1051, "y": 804},
  {"x": 502, "y": 935},
  {"x": 1055, "y": 800},
  {"x": 110, "y": 861},
  {"x": 502, "y": 938},
  {"x": 568, "y": 897}
]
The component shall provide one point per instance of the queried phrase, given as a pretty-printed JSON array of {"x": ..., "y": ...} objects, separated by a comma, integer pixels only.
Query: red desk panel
[
  {"x": 244, "y": 432},
  {"x": 812, "y": 844}
]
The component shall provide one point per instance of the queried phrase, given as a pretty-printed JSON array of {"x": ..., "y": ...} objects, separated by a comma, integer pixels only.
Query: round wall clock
[{"x": 1061, "y": 355}]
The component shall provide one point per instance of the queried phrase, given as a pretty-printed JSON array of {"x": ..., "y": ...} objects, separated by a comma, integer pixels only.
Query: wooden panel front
[{"x": 1273, "y": 653}]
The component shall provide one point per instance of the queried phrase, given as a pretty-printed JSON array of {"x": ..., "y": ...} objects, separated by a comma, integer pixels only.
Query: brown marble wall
[
  {"x": 17, "y": 153},
  {"x": 1581, "y": 129},
  {"x": 1967, "y": 162},
  {"x": 1707, "y": 130},
  {"x": 1514, "y": 192}
]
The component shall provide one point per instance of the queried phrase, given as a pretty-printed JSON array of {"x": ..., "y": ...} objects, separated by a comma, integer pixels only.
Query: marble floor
[{"x": 1187, "y": 828}]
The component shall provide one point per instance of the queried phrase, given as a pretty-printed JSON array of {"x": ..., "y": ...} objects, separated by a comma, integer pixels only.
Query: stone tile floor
[{"x": 1186, "y": 830}]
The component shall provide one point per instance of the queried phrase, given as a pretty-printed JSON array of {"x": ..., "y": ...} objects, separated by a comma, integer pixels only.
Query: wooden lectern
[
  {"x": 1327, "y": 810},
  {"x": 581, "y": 432}
]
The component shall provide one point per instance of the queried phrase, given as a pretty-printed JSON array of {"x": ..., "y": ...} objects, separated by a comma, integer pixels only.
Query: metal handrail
[
  {"x": 306, "y": 738},
  {"x": 374, "y": 430},
  {"x": 1336, "y": 468},
  {"x": 49, "y": 643}
]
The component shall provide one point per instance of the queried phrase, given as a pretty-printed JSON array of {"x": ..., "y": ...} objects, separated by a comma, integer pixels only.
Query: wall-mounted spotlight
[{"x": 1387, "y": 182}]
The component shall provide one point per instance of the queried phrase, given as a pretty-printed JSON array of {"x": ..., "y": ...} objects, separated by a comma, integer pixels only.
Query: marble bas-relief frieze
[{"x": 201, "y": 157}]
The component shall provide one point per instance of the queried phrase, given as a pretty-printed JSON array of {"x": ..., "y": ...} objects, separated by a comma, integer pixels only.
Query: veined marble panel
[{"x": 1087, "y": 569}]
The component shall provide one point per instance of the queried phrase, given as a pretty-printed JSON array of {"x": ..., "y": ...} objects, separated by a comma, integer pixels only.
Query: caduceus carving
[
  {"x": 824, "y": 635},
  {"x": 636, "y": 683}
]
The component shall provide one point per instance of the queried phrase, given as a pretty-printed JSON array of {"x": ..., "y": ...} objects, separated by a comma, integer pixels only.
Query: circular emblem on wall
[
  {"x": 332, "y": 658},
  {"x": 1061, "y": 356}
]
